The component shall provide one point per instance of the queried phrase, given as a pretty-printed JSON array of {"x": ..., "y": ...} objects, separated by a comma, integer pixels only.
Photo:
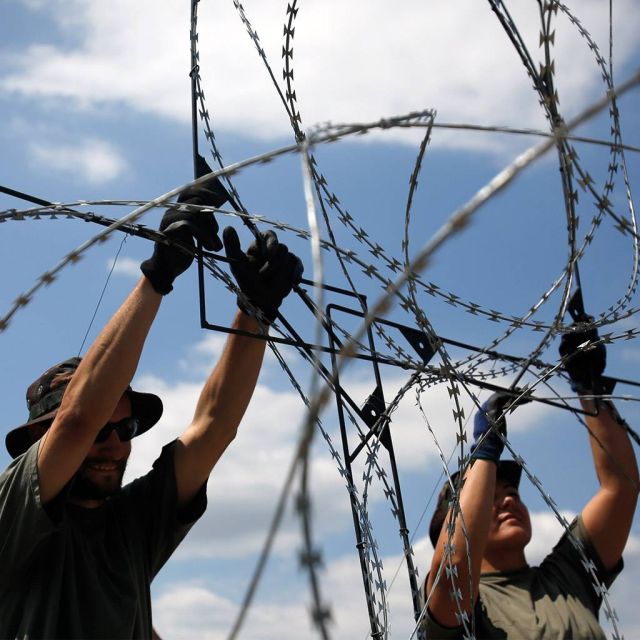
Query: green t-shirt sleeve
[
  {"x": 577, "y": 572},
  {"x": 24, "y": 522},
  {"x": 150, "y": 505}
]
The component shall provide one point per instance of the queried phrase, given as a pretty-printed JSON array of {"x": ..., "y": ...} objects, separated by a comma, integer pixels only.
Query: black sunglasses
[{"x": 127, "y": 428}]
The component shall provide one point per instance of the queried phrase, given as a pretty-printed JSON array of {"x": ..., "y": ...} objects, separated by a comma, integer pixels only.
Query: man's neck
[{"x": 506, "y": 560}]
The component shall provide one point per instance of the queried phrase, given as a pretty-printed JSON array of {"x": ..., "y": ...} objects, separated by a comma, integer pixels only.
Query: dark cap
[
  {"x": 508, "y": 470},
  {"x": 44, "y": 396}
]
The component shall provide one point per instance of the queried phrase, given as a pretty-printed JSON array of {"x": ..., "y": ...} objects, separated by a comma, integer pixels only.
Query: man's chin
[
  {"x": 90, "y": 484},
  {"x": 517, "y": 531}
]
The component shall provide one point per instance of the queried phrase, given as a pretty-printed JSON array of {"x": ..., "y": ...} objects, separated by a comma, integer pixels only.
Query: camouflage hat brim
[
  {"x": 147, "y": 407},
  {"x": 18, "y": 440}
]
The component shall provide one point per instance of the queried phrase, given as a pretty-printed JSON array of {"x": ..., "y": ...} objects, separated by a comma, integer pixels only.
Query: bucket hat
[{"x": 44, "y": 396}]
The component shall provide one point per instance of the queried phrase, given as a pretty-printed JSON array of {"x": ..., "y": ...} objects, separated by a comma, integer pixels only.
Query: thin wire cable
[{"x": 106, "y": 284}]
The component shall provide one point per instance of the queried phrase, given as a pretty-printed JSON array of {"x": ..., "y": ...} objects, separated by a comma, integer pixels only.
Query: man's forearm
[
  {"x": 110, "y": 363},
  {"x": 614, "y": 459},
  {"x": 608, "y": 516},
  {"x": 467, "y": 546},
  {"x": 221, "y": 406},
  {"x": 228, "y": 390}
]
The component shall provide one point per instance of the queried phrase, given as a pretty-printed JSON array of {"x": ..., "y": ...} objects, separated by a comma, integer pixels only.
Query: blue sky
[{"x": 95, "y": 105}]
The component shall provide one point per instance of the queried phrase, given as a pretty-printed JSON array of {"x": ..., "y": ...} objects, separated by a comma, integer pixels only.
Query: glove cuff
[
  {"x": 491, "y": 449},
  {"x": 582, "y": 388},
  {"x": 480, "y": 454},
  {"x": 160, "y": 279},
  {"x": 268, "y": 316},
  {"x": 579, "y": 388}
]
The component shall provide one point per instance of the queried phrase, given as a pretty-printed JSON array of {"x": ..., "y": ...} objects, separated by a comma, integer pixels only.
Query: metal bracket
[
  {"x": 419, "y": 341},
  {"x": 371, "y": 411}
]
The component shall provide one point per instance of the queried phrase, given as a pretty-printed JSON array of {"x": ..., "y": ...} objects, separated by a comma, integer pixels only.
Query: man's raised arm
[
  {"x": 455, "y": 592},
  {"x": 609, "y": 514},
  {"x": 265, "y": 274},
  {"x": 105, "y": 372}
]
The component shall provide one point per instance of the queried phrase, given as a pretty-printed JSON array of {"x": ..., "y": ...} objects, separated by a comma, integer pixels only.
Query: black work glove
[
  {"x": 492, "y": 446},
  {"x": 266, "y": 273},
  {"x": 183, "y": 227},
  {"x": 584, "y": 366}
]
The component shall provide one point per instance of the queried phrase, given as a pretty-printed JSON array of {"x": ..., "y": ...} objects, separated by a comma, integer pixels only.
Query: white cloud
[
  {"x": 93, "y": 160},
  {"x": 200, "y": 358},
  {"x": 188, "y": 611},
  {"x": 546, "y": 533},
  {"x": 356, "y": 61},
  {"x": 128, "y": 267}
]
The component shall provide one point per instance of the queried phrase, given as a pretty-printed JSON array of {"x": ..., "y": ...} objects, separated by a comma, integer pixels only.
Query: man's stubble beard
[{"x": 84, "y": 488}]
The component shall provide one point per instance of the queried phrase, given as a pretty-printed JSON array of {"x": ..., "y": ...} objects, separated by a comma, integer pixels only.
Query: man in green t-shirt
[
  {"x": 78, "y": 551},
  {"x": 479, "y": 582}
]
